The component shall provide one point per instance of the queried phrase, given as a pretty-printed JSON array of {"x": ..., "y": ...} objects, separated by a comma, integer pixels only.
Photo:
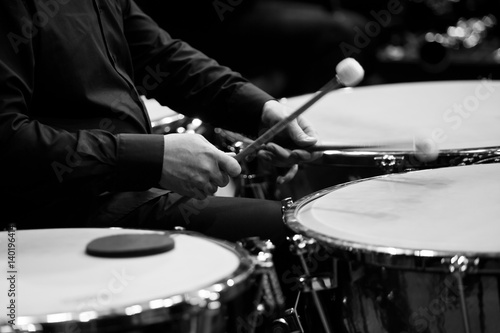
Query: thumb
[
  {"x": 299, "y": 136},
  {"x": 229, "y": 164}
]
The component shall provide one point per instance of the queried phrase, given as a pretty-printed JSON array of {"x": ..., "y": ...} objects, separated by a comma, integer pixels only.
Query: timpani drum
[
  {"x": 164, "y": 120},
  {"x": 461, "y": 117},
  {"x": 201, "y": 285},
  {"x": 406, "y": 252}
]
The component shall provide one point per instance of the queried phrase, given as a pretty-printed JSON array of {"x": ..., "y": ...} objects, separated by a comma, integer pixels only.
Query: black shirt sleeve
[{"x": 188, "y": 81}]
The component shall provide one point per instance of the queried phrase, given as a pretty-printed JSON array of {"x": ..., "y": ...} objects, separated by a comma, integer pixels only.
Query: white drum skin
[
  {"x": 60, "y": 287},
  {"x": 442, "y": 211},
  {"x": 392, "y": 239},
  {"x": 457, "y": 115},
  {"x": 461, "y": 118}
]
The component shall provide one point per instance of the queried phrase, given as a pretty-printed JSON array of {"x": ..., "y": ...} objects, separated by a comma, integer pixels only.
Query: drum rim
[
  {"x": 384, "y": 252},
  {"x": 145, "y": 312},
  {"x": 455, "y": 151},
  {"x": 406, "y": 160},
  {"x": 167, "y": 120}
]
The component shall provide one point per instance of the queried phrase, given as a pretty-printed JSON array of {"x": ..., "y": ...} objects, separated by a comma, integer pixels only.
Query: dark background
[{"x": 291, "y": 47}]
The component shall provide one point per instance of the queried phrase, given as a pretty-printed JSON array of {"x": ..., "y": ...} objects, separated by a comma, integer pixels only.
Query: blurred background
[{"x": 291, "y": 47}]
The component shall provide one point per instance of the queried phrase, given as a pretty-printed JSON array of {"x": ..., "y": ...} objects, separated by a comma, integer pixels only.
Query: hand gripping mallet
[{"x": 349, "y": 73}]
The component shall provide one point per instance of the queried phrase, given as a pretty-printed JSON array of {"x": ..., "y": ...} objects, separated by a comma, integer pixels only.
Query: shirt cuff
[{"x": 140, "y": 160}]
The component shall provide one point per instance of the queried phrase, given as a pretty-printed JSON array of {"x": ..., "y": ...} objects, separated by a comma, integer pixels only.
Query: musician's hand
[
  {"x": 193, "y": 167},
  {"x": 287, "y": 148},
  {"x": 288, "y": 175}
]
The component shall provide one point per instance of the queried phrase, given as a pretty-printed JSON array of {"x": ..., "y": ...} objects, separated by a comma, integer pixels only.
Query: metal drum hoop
[{"x": 400, "y": 161}]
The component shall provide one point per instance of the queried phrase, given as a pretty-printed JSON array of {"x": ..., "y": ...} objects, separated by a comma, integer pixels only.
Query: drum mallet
[{"x": 349, "y": 74}]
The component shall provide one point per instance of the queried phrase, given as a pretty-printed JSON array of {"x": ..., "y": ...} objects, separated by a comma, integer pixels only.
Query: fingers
[
  {"x": 202, "y": 193},
  {"x": 221, "y": 180},
  {"x": 299, "y": 130},
  {"x": 301, "y": 133},
  {"x": 210, "y": 189},
  {"x": 193, "y": 167},
  {"x": 285, "y": 157},
  {"x": 308, "y": 130},
  {"x": 228, "y": 164},
  {"x": 289, "y": 175}
]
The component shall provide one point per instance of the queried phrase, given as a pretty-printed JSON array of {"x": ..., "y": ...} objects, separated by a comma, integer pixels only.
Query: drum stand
[
  {"x": 309, "y": 284},
  {"x": 459, "y": 266},
  {"x": 302, "y": 246},
  {"x": 269, "y": 300},
  {"x": 255, "y": 182}
]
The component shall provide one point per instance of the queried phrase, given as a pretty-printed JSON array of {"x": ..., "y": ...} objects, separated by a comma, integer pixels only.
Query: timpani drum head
[
  {"x": 456, "y": 115},
  {"x": 460, "y": 119},
  {"x": 438, "y": 212},
  {"x": 59, "y": 283}
]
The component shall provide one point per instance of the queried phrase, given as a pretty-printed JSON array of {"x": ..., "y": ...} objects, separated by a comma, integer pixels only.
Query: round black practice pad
[{"x": 130, "y": 245}]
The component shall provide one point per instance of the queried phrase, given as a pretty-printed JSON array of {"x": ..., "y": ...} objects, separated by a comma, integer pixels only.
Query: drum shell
[{"x": 370, "y": 297}]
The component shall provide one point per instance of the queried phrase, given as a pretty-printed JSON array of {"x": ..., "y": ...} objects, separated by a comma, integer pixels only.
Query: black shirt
[{"x": 72, "y": 124}]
